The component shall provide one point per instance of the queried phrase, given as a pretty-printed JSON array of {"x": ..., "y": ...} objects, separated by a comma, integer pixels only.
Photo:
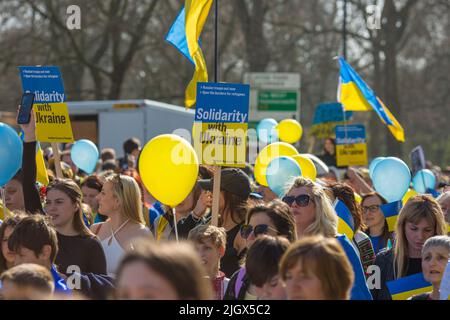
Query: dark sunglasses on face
[
  {"x": 372, "y": 208},
  {"x": 246, "y": 230},
  {"x": 302, "y": 200}
]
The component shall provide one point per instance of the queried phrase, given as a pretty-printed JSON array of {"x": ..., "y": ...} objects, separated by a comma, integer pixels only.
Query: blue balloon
[
  {"x": 11, "y": 150},
  {"x": 84, "y": 154},
  {"x": 279, "y": 173},
  {"x": 373, "y": 163},
  {"x": 424, "y": 180},
  {"x": 266, "y": 130},
  {"x": 391, "y": 178}
]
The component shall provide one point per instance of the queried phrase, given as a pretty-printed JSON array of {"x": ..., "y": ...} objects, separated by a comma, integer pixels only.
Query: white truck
[{"x": 109, "y": 123}]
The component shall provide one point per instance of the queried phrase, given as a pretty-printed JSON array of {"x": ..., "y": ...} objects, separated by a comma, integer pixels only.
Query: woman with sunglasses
[
  {"x": 120, "y": 201},
  {"x": 376, "y": 225},
  {"x": 420, "y": 219},
  {"x": 273, "y": 219},
  {"x": 314, "y": 215}
]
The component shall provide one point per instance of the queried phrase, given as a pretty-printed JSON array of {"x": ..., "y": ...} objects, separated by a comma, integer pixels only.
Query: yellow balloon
[
  {"x": 307, "y": 166},
  {"x": 410, "y": 193},
  {"x": 270, "y": 152},
  {"x": 289, "y": 130},
  {"x": 168, "y": 166}
]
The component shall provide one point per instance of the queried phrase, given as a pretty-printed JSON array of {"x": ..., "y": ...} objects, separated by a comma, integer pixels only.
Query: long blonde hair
[
  {"x": 326, "y": 220},
  {"x": 417, "y": 208},
  {"x": 127, "y": 190}
]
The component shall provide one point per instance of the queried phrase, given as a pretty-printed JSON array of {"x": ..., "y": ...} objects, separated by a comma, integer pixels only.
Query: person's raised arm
[
  {"x": 30, "y": 193},
  {"x": 361, "y": 186}
]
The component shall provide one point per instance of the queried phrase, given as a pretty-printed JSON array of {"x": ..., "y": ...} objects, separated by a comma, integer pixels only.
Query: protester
[
  {"x": 108, "y": 154},
  {"x": 273, "y": 219},
  {"x": 360, "y": 241},
  {"x": 261, "y": 264},
  {"x": 314, "y": 215},
  {"x": 234, "y": 194},
  {"x": 120, "y": 201},
  {"x": 316, "y": 268},
  {"x": 7, "y": 227},
  {"x": 91, "y": 187},
  {"x": 34, "y": 240},
  {"x": 77, "y": 245},
  {"x": 14, "y": 194},
  {"x": 164, "y": 224},
  {"x": 210, "y": 242},
  {"x": 165, "y": 271},
  {"x": 444, "y": 202},
  {"x": 131, "y": 150},
  {"x": 435, "y": 256},
  {"x": 27, "y": 282},
  {"x": 376, "y": 225},
  {"x": 420, "y": 219},
  {"x": 329, "y": 152}
]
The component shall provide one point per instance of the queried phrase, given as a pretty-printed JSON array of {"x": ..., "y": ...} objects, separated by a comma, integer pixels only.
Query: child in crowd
[
  {"x": 210, "y": 242},
  {"x": 34, "y": 240},
  {"x": 27, "y": 282}
]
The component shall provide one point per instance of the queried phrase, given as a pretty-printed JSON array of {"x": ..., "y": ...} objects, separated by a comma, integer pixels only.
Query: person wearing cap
[{"x": 235, "y": 190}]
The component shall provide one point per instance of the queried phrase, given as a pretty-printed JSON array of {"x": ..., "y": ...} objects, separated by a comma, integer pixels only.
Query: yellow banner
[
  {"x": 53, "y": 122},
  {"x": 351, "y": 154},
  {"x": 221, "y": 144}
]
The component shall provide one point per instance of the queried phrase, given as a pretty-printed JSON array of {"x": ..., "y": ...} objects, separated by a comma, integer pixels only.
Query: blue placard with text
[{"x": 45, "y": 82}]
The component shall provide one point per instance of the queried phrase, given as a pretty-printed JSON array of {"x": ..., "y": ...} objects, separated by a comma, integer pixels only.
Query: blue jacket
[
  {"x": 360, "y": 290},
  {"x": 60, "y": 283}
]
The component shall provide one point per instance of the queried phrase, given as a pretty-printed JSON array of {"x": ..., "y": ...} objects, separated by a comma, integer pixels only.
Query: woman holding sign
[
  {"x": 421, "y": 218},
  {"x": 77, "y": 246}
]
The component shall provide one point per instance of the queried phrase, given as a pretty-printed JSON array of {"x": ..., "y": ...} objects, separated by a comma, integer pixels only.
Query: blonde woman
[
  {"x": 315, "y": 215},
  {"x": 120, "y": 201},
  {"x": 421, "y": 218}
]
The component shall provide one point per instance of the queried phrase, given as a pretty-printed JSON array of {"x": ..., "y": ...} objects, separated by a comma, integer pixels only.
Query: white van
[{"x": 109, "y": 123}]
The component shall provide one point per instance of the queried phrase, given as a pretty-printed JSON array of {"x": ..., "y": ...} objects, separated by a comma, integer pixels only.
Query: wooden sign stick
[
  {"x": 216, "y": 196},
  {"x": 58, "y": 168}
]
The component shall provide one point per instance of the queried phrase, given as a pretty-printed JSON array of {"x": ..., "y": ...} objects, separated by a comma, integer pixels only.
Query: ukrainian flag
[
  {"x": 404, "y": 288},
  {"x": 391, "y": 211},
  {"x": 355, "y": 95},
  {"x": 346, "y": 224},
  {"x": 185, "y": 35}
]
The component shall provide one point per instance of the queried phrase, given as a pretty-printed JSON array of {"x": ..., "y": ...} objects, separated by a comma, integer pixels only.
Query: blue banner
[
  {"x": 222, "y": 102},
  {"x": 350, "y": 134},
  {"x": 330, "y": 112},
  {"x": 45, "y": 82}
]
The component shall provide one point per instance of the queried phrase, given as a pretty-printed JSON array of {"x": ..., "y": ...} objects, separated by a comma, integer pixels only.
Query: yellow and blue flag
[
  {"x": 346, "y": 224},
  {"x": 391, "y": 211},
  {"x": 185, "y": 35},
  {"x": 404, "y": 288},
  {"x": 355, "y": 95},
  {"x": 177, "y": 35}
]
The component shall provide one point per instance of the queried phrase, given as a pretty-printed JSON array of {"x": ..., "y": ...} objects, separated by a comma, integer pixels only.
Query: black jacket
[{"x": 385, "y": 261}]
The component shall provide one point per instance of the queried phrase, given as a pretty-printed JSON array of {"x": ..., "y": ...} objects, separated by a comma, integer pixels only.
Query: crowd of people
[{"x": 104, "y": 236}]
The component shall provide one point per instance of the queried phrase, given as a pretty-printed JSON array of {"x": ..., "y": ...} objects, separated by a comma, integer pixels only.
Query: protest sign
[
  {"x": 417, "y": 160},
  {"x": 221, "y": 122},
  {"x": 351, "y": 147},
  {"x": 50, "y": 108},
  {"x": 326, "y": 117}
]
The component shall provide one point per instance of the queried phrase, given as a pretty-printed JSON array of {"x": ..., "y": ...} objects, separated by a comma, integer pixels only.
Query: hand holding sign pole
[{"x": 220, "y": 129}]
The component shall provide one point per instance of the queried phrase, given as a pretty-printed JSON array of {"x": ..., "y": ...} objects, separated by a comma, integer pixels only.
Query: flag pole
[{"x": 218, "y": 170}]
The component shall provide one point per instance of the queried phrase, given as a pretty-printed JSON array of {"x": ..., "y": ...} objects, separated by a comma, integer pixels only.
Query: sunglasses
[
  {"x": 246, "y": 230},
  {"x": 372, "y": 208},
  {"x": 302, "y": 200}
]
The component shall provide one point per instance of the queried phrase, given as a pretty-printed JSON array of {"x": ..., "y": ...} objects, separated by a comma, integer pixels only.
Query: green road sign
[{"x": 277, "y": 100}]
